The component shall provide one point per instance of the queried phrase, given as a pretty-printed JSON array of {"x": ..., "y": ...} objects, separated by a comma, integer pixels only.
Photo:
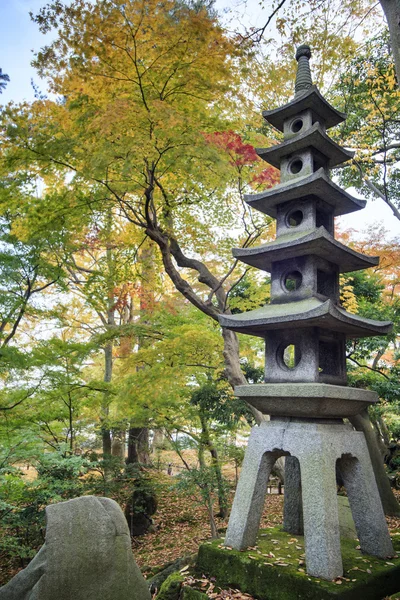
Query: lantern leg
[
  {"x": 249, "y": 499},
  {"x": 320, "y": 514},
  {"x": 365, "y": 504}
]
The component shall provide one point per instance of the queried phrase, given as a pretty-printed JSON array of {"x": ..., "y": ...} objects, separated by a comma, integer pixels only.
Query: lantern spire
[{"x": 303, "y": 75}]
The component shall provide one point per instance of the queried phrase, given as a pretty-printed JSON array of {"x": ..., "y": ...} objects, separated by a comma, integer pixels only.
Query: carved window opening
[
  {"x": 296, "y": 166},
  {"x": 292, "y": 281},
  {"x": 326, "y": 284},
  {"x": 296, "y": 125},
  {"x": 294, "y": 218},
  {"x": 290, "y": 356}
]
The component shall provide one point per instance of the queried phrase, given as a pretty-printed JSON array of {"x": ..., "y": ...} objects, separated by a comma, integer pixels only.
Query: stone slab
[
  {"x": 306, "y": 399},
  {"x": 259, "y": 574}
]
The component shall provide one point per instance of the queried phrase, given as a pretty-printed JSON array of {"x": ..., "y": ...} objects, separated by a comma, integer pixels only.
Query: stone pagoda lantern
[{"x": 305, "y": 330}]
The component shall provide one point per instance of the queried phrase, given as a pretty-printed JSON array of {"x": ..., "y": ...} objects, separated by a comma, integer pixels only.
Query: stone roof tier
[
  {"x": 317, "y": 242},
  {"x": 314, "y": 138},
  {"x": 310, "y": 312},
  {"x": 312, "y": 100},
  {"x": 317, "y": 185}
]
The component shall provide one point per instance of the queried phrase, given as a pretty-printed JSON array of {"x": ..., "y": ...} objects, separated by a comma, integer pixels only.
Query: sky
[{"x": 19, "y": 36}]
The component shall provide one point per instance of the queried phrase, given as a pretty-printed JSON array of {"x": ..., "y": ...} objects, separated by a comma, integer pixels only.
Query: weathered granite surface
[
  {"x": 310, "y": 99},
  {"x": 317, "y": 446},
  {"x": 87, "y": 555},
  {"x": 305, "y": 329},
  {"x": 310, "y": 312},
  {"x": 317, "y": 242},
  {"x": 318, "y": 186},
  {"x": 308, "y": 399},
  {"x": 314, "y": 138}
]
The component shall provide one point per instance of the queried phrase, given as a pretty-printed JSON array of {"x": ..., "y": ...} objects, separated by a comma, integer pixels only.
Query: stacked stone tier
[
  {"x": 325, "y": 151},
  {"x": 317, "y": 187},
  {"x": 308, "y": 313},
  {"x": 306, "y": 400},
  {"x": 310, "y": 100},
  {"x": 317, "y": 242}
]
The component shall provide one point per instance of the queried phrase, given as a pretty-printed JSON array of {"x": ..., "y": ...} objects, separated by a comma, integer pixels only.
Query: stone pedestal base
[{"x": 317, "y": 446}]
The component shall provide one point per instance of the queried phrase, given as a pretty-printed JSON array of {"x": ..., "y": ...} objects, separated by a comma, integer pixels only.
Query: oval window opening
[
  {"x": 295, "y": 218},
  {"x": 290, "y": 356},
  {"x": 297, "y": 125},
  {"x": 296, "y": 166},
  {"x": 292, "y": 281}
]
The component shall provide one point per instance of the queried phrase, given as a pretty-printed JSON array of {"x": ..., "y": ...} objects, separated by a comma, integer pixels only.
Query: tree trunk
[
  {"x": 108, "y": 348},
  {"x": 233, "y": 372},
  {"x": 362, "y": 423},
  {"x": 213, "y": 527},
  {"x": 105, "y": 430},
  {"x": 106, "y": 441},
  {"x": 382, "y": 445},
  {"x": 391, "y": 8},
  {"x": 158, "y": 439},
  {"x": 118, "y": 444},
  {"x": 206, "y": 440},
  {"x": 138, "y": 437},
  {"x": 138, "y": 446}
]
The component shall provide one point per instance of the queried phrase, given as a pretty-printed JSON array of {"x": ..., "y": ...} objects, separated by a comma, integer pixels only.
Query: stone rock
[
  {"x": 346, "y": 523},
  {"x": 138, "y": 511},
  {"x": 87, "y": 555}
]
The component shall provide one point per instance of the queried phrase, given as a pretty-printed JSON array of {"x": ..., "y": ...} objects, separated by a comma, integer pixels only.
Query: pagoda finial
[{"x": 303, "y": 76}]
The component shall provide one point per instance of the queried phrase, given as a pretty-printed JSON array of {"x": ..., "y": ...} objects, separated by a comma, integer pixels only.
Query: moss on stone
[
  {"x": 189, "y": 593},
  {"x": 171, "y": 588},
  {"x": 274, "y": 569}
]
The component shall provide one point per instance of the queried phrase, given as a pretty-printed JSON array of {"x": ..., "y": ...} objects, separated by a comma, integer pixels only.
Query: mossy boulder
[
  {"x": 171, "y": 588},
  {"x": 189, "y": 593},
  {"x": 275, "y": 570}
]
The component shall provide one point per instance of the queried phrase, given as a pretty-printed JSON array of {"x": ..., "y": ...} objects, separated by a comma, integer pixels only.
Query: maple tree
[{"x": 134, "y": 128}]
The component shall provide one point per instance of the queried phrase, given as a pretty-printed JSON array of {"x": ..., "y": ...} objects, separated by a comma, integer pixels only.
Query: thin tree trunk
[
  {"x": 233, "y": 372},
  {"x": 211, "y": 517},
  {"x": 362, "y": 423},
  {"x": 108, "y": 348},
  {"x": 391, "y": 8},
  {"x": 105, "y": 430},
  {"x": 138, "y": 446},
  {"x": 138, "y": 437},
  {"x": 206, "y": 440},
  {"x": 118, "y": 444},
  {"x": 158, "y": 439}
]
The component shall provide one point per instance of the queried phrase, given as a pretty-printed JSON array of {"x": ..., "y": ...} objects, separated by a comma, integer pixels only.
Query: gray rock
[{"x": 87, "y": 555}]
